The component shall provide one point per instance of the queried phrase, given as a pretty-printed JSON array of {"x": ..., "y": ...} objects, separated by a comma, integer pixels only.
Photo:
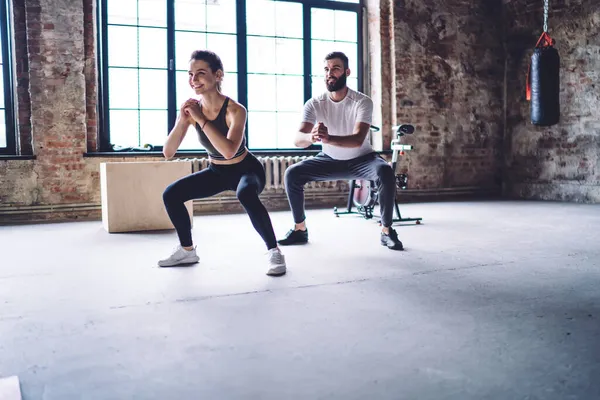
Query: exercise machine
[{"x": 363, "y": 193}]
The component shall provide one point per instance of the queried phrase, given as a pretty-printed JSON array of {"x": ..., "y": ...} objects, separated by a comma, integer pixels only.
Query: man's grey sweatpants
[{"x": 324, "y": 168}]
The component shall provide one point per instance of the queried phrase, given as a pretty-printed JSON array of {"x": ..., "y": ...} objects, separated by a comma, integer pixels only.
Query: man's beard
[{"x": 338, "y": 84}]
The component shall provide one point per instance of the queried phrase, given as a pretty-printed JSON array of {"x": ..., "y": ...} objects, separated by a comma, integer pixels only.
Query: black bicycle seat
[{"x": 404, "y": 129}]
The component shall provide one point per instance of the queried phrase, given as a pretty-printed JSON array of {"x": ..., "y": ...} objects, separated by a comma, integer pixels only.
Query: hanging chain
[{"x": 546, "y": 15}]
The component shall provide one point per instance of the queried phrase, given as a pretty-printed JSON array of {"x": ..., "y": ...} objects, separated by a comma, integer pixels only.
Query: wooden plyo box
[
  {"x": 132, "y": 194},
  {"x": 10, "y": 388}
]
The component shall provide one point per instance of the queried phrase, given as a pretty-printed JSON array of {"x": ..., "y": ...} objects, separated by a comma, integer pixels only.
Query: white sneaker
[
  {"x": 276, "y": 263},
  {"x": 180, "y": 256}
]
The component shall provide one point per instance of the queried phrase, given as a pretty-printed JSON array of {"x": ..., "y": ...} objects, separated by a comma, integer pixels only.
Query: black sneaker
[
  {"x": 294, "y": 237},
  {"x": 391, "y": 240}
]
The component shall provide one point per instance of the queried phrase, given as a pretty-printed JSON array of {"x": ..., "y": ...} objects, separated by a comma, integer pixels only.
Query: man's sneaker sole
[
  {"x": 184, "y": 262},
  {"x": 277, "y": 271},
  {"x": 395, "y": 247},
  {"x": 291, "y": 244}
]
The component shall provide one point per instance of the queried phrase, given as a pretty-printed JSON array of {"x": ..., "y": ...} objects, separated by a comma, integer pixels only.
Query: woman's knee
[
  {"x": 247, "y": 193},
  {"x": 171, "y": 194}
]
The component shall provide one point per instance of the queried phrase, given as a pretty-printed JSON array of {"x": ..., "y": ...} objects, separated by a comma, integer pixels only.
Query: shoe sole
[
  {"x": 277, "y": 271},
  {"x": 393, "y": 247},
  {"x": 182, "y": 263},
  {"x": 292, "y": 244}
]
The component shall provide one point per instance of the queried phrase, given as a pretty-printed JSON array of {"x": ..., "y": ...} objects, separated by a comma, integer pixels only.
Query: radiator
[{"x": 275, "y": 167}]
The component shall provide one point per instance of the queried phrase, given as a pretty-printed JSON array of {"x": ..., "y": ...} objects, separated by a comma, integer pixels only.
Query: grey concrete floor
[{"x": 491, "y": 300}]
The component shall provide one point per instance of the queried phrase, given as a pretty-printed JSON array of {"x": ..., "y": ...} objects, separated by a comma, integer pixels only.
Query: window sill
[
  {"x": 124, "y": 154},
  {"x": 183, "y": 154},
  {"x": 13, "y": 157}
]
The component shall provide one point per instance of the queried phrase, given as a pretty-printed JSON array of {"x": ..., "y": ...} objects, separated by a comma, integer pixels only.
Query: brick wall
[
  {"x": 387, "y": 94},
  {"x": 559, "y": 162},
  {"x": 442, "y": 67},
  {"x": 58, "y": 107},
  {"x": 447, "y": 81}
]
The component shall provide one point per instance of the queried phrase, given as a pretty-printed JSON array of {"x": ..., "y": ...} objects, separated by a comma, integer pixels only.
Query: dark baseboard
[{"x": 226, "y": 203}]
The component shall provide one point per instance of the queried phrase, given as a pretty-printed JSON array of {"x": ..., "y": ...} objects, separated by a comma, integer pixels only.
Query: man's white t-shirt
[{"x": 340, "y": 118}]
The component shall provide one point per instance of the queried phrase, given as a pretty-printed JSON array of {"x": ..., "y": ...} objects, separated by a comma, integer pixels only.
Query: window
[
  {"x": 7, "y": 122},
  {"x": 272, "y": 52},
  {"x": 275, "y": 72},
  {"x": 333, "y": 29},
  {"x": 204, "y": 25},
  {"x": 137, "y": 71}
]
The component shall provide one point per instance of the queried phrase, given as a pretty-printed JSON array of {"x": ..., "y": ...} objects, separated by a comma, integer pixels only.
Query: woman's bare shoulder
[{"x": 234, "y": 107}]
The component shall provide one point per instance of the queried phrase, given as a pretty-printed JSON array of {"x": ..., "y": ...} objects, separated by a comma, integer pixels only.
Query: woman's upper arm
[{"x": 237, "y": 124}]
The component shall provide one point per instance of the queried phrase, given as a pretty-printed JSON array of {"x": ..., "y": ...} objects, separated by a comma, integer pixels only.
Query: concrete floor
[{"x": 491, "y": 300}]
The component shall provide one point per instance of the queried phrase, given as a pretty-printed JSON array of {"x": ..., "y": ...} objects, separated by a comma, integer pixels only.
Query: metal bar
[
  {"x": 242, "y": 58},
  {"x": 9, "y": 94},
  {"x": 332, "y": 5},
  {"x": 103, "y": 106},
  {"x": 401, "y": 147},
  {"x": 360, "y": 50},
  {"x": 171, "y": 74},
  {"x": 546, "y": 6},
  {"x": 306, "y": 18}
]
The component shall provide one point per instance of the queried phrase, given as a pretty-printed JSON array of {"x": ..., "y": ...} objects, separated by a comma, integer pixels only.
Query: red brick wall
[
  {"x": 447, "y": 81},
  {"x": 56, "y": 64},
  {"x": 442, "y": 68},
  {"x": 91, "y": 79},
  {"x": 559, "y": 162},
  {"x": 386, "y": 70},
  {"x": 57, "y": 101}
]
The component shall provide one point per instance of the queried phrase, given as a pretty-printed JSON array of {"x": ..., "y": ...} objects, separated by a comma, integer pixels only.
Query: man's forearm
[{"x": 303, "y": 139}]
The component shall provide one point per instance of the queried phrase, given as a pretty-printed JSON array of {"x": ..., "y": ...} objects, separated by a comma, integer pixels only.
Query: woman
[{"x": 220, "y": 123}]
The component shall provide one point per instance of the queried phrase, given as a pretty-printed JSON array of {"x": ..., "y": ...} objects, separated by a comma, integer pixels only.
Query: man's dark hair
[
  {"x": 209, "y": 57},
  {"x": 340, "y": 55}
]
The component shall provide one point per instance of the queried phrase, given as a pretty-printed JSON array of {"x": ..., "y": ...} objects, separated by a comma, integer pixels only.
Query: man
[{"x": 340, "y": 119}]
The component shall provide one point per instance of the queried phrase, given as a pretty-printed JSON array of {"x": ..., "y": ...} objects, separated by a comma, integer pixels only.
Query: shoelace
[
  {"x": 179, "y": 249},
  {"x": 275, "y": 256}
]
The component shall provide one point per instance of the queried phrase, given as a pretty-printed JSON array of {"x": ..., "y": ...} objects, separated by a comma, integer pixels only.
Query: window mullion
[
  {"x": 172, "y": 105},
  {"x": 360, "y": 51},
  {"x": 103, "y": 110},
  {"x": 306, "y": 17},
  {"x": 242, "y": 59},
  {"x": 7, "y": 76}
]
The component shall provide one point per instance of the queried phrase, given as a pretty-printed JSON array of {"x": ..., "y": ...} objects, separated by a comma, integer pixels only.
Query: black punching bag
[{"x": 544, "y": 91}]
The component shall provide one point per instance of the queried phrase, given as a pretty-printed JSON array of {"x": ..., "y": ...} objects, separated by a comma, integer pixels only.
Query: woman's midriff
[{"x": 234, "y": 160}]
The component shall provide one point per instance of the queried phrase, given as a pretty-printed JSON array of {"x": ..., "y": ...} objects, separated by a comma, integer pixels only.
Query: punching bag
[{"x": 543, "y": 86}]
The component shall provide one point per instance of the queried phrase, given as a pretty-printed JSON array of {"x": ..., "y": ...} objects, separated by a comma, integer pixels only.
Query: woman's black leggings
[{"x": 246, "y": 178}]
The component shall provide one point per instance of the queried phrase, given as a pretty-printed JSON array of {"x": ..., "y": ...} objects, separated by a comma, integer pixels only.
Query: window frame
[
  {"x": 7, "y": 76},
  {"x": 242, "y": 64}
]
